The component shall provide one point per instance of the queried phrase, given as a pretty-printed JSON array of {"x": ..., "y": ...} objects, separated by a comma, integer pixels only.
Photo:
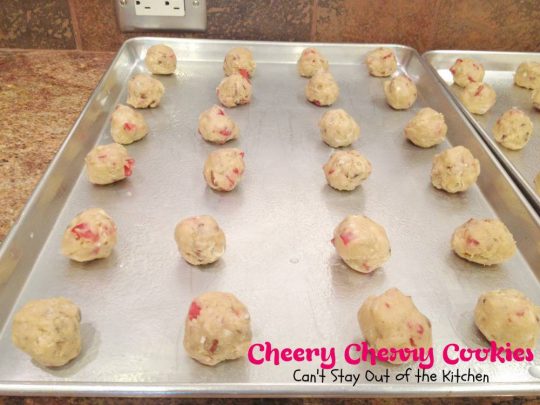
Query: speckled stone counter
[{"x": 41, "y": 96}]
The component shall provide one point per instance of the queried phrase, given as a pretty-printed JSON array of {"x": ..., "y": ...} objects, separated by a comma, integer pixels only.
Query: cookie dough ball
[
  {"x": 528, "y": 75},
  {"x": 478, "y": 98},
  {"x": 400, "y": 92},
  {"x": 484, "y": 241},
  {"x": 467, "y": 71},
  {"x": 216, "y": 126},
  {"x": 513, "y": 129},
  {"x": 160, "y": 60},
  {"x": 224, "y": 168},
  {"x": 234, "y": 90},
  {"x": 361, "y": 243},
  {"x": 106, "y": 164},
  {"x": 144, "y": 92},
  {"x": 127, "y": 125},
  {"x": 345, "y": 170},
  {"x": 427, "y": 128},
  {"x": 392, "y": 321},
  {"x": 310, "y": 62},
  {"x": 508, "y": 316},
  {"x": 90, "y": 235},
  {"x": 535, "y": 98},
  {"x": 338, "y": 128},
  {"x": 381, "y": 62},
  {"x": 454, "y": 170},
  {"x": 48, "y": 330},
  {"x": 200, "y": 240},
  {"x": 537, "y": 183},
  {"x": 322, "y": 89},
  {"x": 217, "y": 328},
  {"x": 239, "y": 60}
]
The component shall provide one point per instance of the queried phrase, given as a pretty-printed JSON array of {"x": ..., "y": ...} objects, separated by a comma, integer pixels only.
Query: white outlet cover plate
[
  {"x": 160, "y": 7},
  {"x": 158, "y": 15}
]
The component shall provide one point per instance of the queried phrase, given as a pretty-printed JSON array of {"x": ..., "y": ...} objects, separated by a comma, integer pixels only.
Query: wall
[{"x": 422, "y": 24}]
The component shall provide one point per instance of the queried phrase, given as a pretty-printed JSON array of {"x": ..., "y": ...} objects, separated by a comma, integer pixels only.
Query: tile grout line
[
  {"x": 314, "y": 18},
  {"x": 75, "y": 25}
]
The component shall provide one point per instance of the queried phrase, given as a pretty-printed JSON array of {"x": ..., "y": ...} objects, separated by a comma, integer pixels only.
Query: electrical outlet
[
  {"x": 156, "y": 15},
  {"x": 160, "y": 7}
]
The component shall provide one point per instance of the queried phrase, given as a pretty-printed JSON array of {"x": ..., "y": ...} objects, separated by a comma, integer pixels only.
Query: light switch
[{"x": 155, "y": 15}]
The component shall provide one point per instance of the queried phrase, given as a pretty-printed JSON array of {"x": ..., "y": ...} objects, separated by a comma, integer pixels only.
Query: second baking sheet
[{"x": 500, "y": 67}]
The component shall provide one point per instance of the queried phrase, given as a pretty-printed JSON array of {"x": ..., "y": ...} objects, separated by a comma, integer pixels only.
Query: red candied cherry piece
[
  {"x": 220, "y": 111},
  {"x": 225, "y": 132},
  {"x": 387, "y": 56},
  {"x": 420, "y": 329},
  {"x": 194, "y": 311},
  {"x": 412, "y": 342},
  {"x": 244, "y": 73},
  {"x": 472, "y": 241},
  {"x": 129, "y": 126},
  {"x": 82, "y": 230},
  {"x": 214, "y": 346},
  {"x": 479, "y": 90},
  {"x": 346, "y": 237},
  {"x": 128, "y": 167},
  {"x": 316, "y": 102}
]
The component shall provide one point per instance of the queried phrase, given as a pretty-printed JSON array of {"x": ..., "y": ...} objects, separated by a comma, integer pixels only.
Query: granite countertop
[{"x": 41, "y": 95}]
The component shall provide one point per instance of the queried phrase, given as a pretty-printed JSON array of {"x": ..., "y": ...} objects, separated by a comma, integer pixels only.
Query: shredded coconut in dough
[
  {"x": 361, "y": 243},
  {"x": 217, "y": 328},
  {"x": 484, "y": 241},
  {"x": 48, "y": 330},
  {"x": 454, "y": 170},
  {"x": 508, "y": 316},
  {"x": 200, "y": 240},
  {"x": 381, "y": 62},
  {"x": 310, "y": 61}
]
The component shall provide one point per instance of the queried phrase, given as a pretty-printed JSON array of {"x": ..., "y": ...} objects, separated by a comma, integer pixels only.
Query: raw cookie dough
[
  {"x": 400, "y": 92},
  {"x": 483, "y": 241},
  {"x": 537, "y": 183},
  {"x": 48, "y": 331},
  {"x": 217, "y": 328},
  {"x": 454, "y": 170},
  {"x": 160, "y": 60},
  {"x": 478, "y": 98},
  {"x": 345, "y": 170},
  {"x": 310, "y": 62},
  {"x": 216, "y": 126},
  {"x": 381, "y": 62},
  {"x": 322, "y": 89},
  {"x": 535, "y": 98},
  {"x": 90, "y": 235},
  {"x": 107, "y": 164},
  {"x": 224, "y": 168},
  {"x": 528, "y": 75},
  {"x": 338, "y": 128},
  {"x": 127, "y": 125},
  {"x": 239, "y": 60},
  {"x": 508, "y": 316},
  {"x": 513, "y": 129},
  {"x": 427, "y": 128},
  {"x": 200, "y": 240},
  {"x": 234, "y": 90},
  {"x": 144, "y": 92},
  {"x": 467, "y": 71},
  {"x": 361, "y": 243},
  {"x": 392, "y": 321}
]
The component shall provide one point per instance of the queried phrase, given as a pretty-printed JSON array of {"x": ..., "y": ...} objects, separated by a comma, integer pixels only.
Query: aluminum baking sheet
[
  {"x": 279, "y": 222},
  {"x": 523, "y": 165}
]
